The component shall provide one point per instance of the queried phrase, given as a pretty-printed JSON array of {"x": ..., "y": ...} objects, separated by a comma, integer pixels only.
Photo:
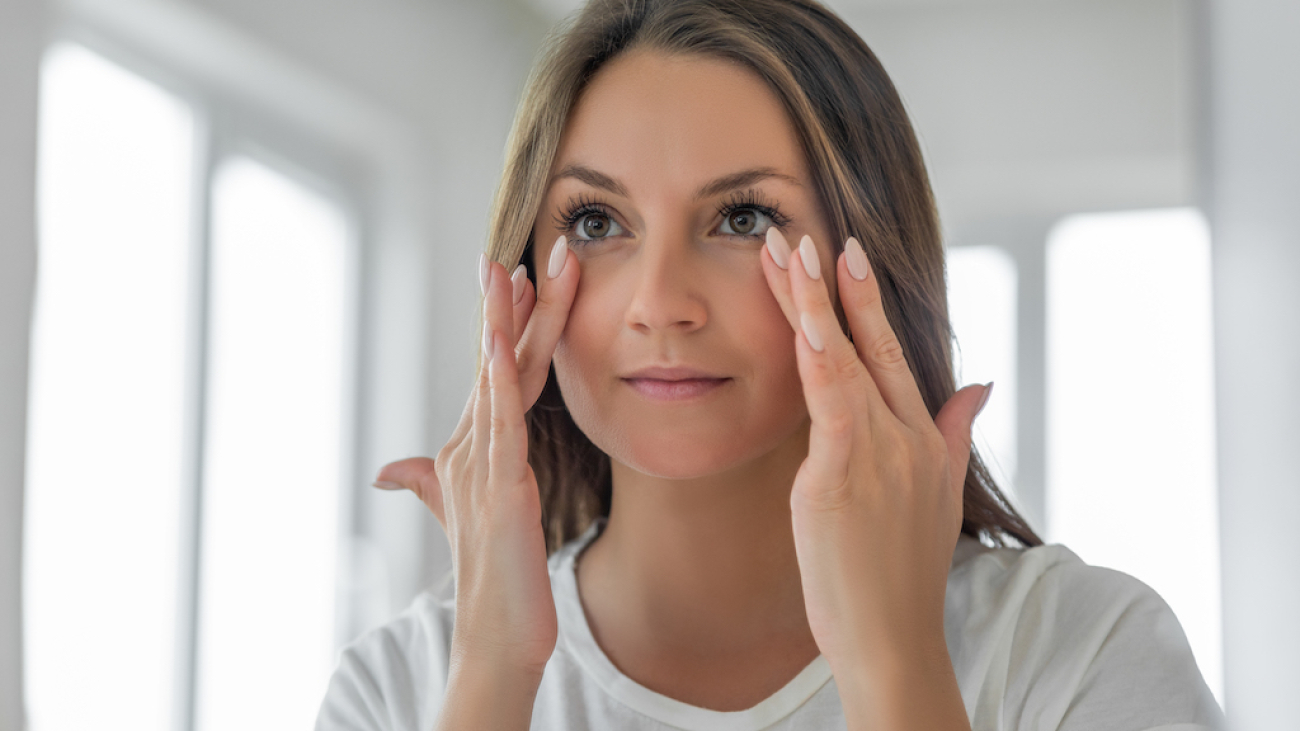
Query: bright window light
[
  {"x": 273, "y": 452},
  {"x": 1131, "y": 450},
  {"x": 982, "y": 308},
  {"x": 105, "y": 416}
]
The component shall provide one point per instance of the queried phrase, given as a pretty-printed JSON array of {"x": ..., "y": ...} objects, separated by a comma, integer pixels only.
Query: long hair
[{"x": 868, "y": 175}]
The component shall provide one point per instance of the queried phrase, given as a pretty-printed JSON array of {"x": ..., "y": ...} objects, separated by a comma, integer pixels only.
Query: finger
[
  {"x": 874, "y": 338},
  {"x": 418, "y": 475},
  {"x": 555, "y": 295},
  {"x": 525, "y": 296},
  {"x": 498, "y": 318},
  {"x": 507, "y": 444},
  {"x": 834, "y": 423},
  {"x": 836, "y": 387},
  {"x": 818, "y": 316},
  {"x": 776, "y": 265},
  {"x": 955, "y": 421},
  {"x": 508, "y": 450}
]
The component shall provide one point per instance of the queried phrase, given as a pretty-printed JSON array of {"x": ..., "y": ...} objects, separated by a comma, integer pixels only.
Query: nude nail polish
[
  {"x": 988, "y": 390},
  {"x": 517, "y": 282},
  {"x": 808, "y": 255},
  {"x": 559, "y": 254},
  {"x": 483, "y": 273},
  {"x": 778, "y": 248},
  {"x": 856, "y": 259}
]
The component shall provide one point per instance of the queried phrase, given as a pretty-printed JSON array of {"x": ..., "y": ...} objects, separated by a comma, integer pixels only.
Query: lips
[{"x": 675, "y": 383}]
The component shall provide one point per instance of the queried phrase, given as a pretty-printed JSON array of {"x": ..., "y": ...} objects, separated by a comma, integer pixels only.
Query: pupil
[
  {"x": 742, "y": 222},
  {"x": 593, "y": 224}
]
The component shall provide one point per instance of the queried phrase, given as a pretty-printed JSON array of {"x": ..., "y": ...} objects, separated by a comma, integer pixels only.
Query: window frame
[{"x": 226, "y": 127}]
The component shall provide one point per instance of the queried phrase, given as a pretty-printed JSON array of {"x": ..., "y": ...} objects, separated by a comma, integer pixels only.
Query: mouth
[{"x": 674, "y": 384}]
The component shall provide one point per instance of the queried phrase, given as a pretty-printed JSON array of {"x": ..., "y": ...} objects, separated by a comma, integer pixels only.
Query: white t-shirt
[{"x": 1038, "y": 639}]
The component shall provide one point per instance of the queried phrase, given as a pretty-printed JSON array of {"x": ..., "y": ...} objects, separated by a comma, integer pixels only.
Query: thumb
[
  {"x": 955, "y": 420},
  {"x": 418, "y": 475}
]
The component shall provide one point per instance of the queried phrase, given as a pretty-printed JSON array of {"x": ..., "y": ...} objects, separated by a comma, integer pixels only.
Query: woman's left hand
[{"x": 877, "y": 503}]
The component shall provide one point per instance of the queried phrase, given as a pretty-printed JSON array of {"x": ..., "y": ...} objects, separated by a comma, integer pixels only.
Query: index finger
[{"x": 556, "y": 289}]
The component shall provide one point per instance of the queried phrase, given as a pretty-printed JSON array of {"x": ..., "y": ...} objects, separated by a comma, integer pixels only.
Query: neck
[{"x": 707, "y": 563}]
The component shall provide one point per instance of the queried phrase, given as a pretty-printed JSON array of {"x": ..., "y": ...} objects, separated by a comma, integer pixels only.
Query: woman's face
[{"x": 676, "y": 359}]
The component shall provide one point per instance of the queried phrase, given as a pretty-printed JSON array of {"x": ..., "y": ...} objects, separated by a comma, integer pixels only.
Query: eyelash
[{"x": 751, "y": 199}]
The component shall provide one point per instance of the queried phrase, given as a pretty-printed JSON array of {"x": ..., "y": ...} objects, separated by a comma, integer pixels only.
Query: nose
[{"x": 665, "y": 295}]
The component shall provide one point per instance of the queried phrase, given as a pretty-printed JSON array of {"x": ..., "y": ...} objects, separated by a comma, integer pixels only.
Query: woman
[{"x": 722, "y": 479}]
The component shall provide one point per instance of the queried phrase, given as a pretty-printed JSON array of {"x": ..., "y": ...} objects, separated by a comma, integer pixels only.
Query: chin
[{"x": 685, "y": 454}]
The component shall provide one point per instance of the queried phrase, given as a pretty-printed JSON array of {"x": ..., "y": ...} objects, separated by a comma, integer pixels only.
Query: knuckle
[
  {"x": 524, "y": 355},
  {"x": 830, "y": 499},
  {"x": 839, "y": 425},
  {"x": 887, "y": 351}
]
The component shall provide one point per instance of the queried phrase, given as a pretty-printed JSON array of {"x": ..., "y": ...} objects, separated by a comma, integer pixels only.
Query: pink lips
[{"x": 673, "y": 384}]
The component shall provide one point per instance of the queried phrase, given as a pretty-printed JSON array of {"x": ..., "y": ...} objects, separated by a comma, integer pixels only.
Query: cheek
[{"x": 582, "y": 354}]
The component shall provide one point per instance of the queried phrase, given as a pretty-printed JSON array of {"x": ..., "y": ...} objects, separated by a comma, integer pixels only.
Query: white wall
[
  {"x": 1254, "y": 198},
  {"x": 21, "y": 34}
]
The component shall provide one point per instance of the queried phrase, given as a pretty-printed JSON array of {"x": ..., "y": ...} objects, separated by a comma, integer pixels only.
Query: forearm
[
  {"x": 483, "y": 697},
  {"x": 914, "y": 692}
]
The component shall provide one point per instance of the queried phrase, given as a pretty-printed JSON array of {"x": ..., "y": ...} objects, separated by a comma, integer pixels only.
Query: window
[
  {"x": 188, "y": 429},
  {"x": 982, "y": 307},
  {"x": 1131, "y": 451}
]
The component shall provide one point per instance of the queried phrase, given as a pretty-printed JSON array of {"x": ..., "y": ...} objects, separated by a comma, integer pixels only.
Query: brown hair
[{"x": 866, "y": 167}]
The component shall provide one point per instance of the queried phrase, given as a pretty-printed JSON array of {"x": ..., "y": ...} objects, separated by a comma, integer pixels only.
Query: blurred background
[{"x": 257, "y": 224}]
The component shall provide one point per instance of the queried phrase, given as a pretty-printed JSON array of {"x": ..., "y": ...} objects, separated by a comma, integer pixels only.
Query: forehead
[{"x": 653, "y": 119}]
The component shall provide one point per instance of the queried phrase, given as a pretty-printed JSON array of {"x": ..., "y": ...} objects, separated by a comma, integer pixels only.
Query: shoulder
[
  {"x": 383, "y": 677},
  {"x": 1054, "y": 642},
  {"x": 1015, "y": 584}
]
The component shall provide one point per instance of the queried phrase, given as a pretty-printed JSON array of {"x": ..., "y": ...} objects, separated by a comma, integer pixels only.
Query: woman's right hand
[{"x": 481, "y": 487}]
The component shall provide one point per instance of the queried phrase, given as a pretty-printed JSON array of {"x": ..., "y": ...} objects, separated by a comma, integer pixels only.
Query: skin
[
  {"x": 693, "y": 588},
  {"x": 808, "y": 504}
]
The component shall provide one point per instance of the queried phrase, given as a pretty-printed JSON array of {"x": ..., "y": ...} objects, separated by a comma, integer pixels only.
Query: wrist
[
  {"x": 482, "y": 694},
  {"x": 902, "y": 688}
]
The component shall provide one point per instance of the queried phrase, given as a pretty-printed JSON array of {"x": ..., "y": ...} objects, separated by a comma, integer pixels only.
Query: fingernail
[
  {"x": 559, "y": 254},
  {"x": 483, "y": 273},
  {"x": 808, "y": 255},
  {"x": 810, "y": 329},
  {"x": 778, "y": 248},
  {"x": 985, "y": 398},
  {"x": 856, "y": 258},
  {"x": 517, "y": 281},
  {"x": 487, "y": 343},
  {"x": 385, "y": 485}
]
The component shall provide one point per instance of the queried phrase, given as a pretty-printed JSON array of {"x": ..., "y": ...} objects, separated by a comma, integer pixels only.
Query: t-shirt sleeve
[
  {"x": 1098, "y": 650},
  {"x": 354, "y": 700},
  {"x": 392, "y": 678}
]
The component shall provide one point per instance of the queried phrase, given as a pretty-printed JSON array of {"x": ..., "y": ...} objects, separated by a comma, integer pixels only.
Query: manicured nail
[
  {"x": 385, "y": 485},
  {"x": 856, "y": 258},
  {"x": 810, "y": 329},
  {"x": 487, "y": 343},
  {"x": 483, "y": 273},
  {"x": 517, "y": 281},
  {"x": 985, "y": 398},
  {"x": 808, "y": 255},
  {"x": 778, "y": 248},
  {"x": 559, "y": 254}
]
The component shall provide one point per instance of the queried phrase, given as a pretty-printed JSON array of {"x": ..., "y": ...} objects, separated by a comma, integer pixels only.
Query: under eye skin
[{"x": 744, "y": 216}]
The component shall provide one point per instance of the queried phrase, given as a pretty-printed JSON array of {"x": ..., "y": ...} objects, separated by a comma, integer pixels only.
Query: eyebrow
[{"x": 597, "y": 179}]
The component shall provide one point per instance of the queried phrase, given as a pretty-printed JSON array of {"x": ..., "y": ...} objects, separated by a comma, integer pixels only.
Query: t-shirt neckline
[{"x": 578, "y": 641}]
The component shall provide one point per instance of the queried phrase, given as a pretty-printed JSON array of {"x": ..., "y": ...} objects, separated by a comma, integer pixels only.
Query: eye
[
  {"x": 746, "y": 222},
  {"x": 595, "y": 226}
]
